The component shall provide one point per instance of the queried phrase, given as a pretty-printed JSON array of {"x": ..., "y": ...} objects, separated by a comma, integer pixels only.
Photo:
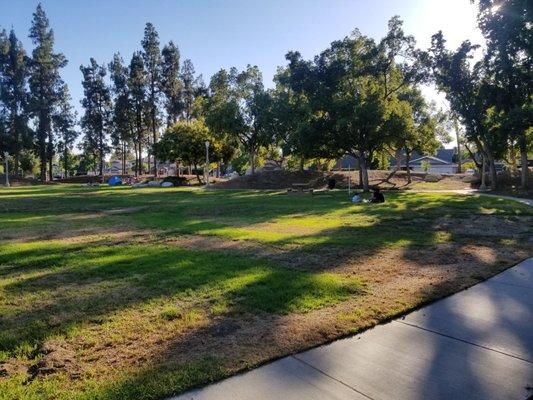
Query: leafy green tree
[
  {"x": 97, "y": 111},
  {"x": 292, "y": 109},
  {"x": 152, "y": 62},
  {"x": 253, "y": 105},
  {"x": 171, "y": 84},
  {"x": 14, "y": 96},
  {"x": 466, "y": 89},
  {"x": 506, "y": 26},
  {"x": 185, "y": 142},
  {"x": 45, "y": 83}
]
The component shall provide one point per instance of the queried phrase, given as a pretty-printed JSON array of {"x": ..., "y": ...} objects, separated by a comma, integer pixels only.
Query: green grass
[{"x": 98, "y": 269}]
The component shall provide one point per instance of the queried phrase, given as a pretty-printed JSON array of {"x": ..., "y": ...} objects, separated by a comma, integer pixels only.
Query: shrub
[{"x": 433, "y": 177}]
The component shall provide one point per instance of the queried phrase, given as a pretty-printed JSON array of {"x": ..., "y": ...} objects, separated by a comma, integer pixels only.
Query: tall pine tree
[
  {"x": 45, "y": 86},
  {"x": 14, "y": 97},
  {"x": 188, "y": 88},
  {"x": 123, "y": 117},
  {"x": 152, "y": 61},
  {"x": 171, "y": 85},
  {"x": 137, "y": 87},
  {"x": 97, "y": 111}
]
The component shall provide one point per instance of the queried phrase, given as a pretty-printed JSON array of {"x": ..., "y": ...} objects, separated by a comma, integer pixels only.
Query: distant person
[{"x": 377, "y": 196}]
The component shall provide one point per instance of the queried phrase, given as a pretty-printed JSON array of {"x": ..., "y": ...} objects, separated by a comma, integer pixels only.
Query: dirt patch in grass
[
  {"x": 487, "y": 225},
  {"x": 54, "y": 358}
]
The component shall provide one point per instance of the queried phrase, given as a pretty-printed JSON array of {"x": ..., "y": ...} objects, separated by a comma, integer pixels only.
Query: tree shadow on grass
[{"x": 90, "y": 284}]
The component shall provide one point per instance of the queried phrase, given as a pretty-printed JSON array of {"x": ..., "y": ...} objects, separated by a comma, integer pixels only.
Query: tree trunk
[
  {"x": 363, "y": 170},
  {"x": 16, "y": 162},
  {"x": 459, "y": 160},
  {"x": 42, "y": 160},
  {"x": 483, "y": 177},
  {"x": 136, "y": 160},
  {"x": 218, "y": 169},
  {"x": 65, "y": 161},
  {"x": 398, "y": 157},
  {"x": 148, "y": 162},
  {"x": 101, "y": 166},
  {"x": 252, "y": 161},
  {"x": 302, "y": 162},
  {"x": 197, "y": 174},
  {"x": 123, "y": 158},
  {"x": 408, "y": 166},
  {"x": 492, "y": 169},
  {"x": 523, "y": 160},
  {"x": 50, "y": 169}
]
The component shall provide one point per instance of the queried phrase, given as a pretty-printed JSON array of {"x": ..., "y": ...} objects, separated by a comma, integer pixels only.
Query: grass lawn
[{"x": 119, "y": 293}]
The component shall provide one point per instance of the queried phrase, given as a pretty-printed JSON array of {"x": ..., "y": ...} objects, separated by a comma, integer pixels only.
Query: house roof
[
  {"x": 444, "y": 155},
  {"x": 431, "y": 159}
]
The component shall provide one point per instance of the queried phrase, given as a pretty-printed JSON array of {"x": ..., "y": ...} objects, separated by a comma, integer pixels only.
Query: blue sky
[{"x": 216, "y": 33}]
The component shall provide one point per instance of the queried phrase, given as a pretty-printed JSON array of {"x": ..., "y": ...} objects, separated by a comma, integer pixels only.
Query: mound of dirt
[
  {"x": 54, "y": 358},
  {"x": 275, "y": 180},
  {"x": 318, "y": 180}
]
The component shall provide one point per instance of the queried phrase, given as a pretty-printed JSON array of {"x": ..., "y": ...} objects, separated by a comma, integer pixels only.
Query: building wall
[{"x": 437, "y": 169}]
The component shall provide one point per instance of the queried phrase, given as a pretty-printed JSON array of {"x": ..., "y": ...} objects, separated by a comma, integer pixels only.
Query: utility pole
[{"x": 206, "y": 169}]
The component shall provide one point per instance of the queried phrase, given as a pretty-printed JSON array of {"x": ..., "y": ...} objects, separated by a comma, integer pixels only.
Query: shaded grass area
[{"x": 100, "y": 274}]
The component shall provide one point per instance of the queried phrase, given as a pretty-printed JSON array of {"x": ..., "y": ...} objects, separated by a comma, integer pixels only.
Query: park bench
[{"x": 300, "y": 188}]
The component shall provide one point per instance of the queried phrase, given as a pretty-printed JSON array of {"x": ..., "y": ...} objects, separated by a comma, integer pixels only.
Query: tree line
[{"x": 359, "y": 96}]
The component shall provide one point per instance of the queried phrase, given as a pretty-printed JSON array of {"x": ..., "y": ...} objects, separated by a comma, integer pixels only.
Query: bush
[{"x": 432, "y": 177}]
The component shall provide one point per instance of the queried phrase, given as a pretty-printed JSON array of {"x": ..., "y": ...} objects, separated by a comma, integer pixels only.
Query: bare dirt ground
[{"x": 319, "y": 180}]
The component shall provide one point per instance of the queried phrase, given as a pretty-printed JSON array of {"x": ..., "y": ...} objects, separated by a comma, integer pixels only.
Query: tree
[
  {"x": 189, "y": 89},
  {"x": 123, "y": 122},
  {"x": 419, "y": 127},
  {"x": 360, "y": 81},
  {"x": 14, "y": 96},
  {"x": 506, "y": 26},
  {"x": 253, "y": 102},
  {"x": 63, "y": 123},
  {"x": 45, "y": 84},
  {"x": 292, "y": 108},
  {"x": 185, "y": 142},
  {"x": 152, "y": 61},
  {"x": 137, "y": 88},
  {"x": 97, "y": 111},
  {"x": 466, "y": 89},
  {"x": 171, "y": 85}
]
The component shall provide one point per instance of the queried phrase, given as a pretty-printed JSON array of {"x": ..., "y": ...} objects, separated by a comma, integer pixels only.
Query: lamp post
[
  {"x": 206, "y": 169},
  {"x": 6, "y": 168}
]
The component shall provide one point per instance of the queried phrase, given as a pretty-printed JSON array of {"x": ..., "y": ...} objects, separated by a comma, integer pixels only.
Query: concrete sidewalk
[{"x": 475, "y": 344}]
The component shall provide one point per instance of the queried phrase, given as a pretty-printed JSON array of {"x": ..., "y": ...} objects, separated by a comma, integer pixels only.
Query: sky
[{"x": 218, "y": 34}]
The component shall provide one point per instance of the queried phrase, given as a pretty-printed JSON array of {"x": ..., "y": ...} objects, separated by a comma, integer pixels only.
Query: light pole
[
  {"x": 206, "y": 169},
  {"x": 6, "y": 168}
]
